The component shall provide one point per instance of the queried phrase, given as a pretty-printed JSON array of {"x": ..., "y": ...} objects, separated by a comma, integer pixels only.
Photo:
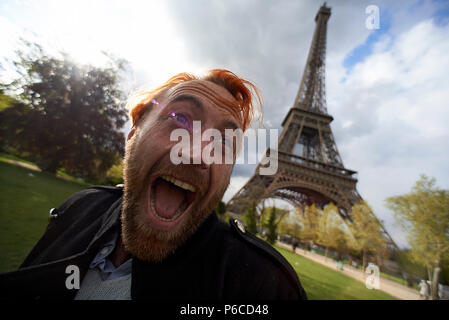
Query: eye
[
  {"x": 228, "y": 144},
  {"x": 228, "y": 147},
  {"x": 226, "y": 141},
  {"x": 182, "y": 119}
]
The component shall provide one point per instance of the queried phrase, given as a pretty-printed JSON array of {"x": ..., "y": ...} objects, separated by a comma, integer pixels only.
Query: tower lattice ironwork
[{"x": 310, "y": 168}]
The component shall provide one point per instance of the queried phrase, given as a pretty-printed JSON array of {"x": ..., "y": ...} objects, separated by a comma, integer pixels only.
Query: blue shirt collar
[{"x": 103, "y": 262}]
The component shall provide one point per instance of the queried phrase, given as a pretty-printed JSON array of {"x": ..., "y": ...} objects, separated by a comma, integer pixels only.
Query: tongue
[{"x": 167, "y": 198}]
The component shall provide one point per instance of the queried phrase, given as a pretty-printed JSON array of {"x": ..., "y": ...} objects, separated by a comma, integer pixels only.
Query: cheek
[
  {"x": 221, "y": 176},
  {"x": 150, "y": 146}
]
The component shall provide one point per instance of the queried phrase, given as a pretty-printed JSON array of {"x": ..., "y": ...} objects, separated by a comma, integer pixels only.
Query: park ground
[
  {"x": 26, "y": 195},
  {"x": 390, "y": 285}
]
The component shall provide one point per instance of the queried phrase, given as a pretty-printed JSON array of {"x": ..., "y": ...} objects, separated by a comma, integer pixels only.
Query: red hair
[{"x": 239, "y": 88}]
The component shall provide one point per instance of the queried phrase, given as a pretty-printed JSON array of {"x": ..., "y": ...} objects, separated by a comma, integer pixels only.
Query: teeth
[
  {"x": 180, "y": 210},
  {"x": 180, "y": 184}
]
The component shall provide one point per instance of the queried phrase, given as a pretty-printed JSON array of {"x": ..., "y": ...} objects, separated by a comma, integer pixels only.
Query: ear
[{"x": 131, "y": 132}]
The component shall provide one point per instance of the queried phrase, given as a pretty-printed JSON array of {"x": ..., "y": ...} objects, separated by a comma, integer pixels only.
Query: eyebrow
[
  {"x": 200, "y": 108},
  {"x": 197, "y": 103},
  {"x": 229, "y": 124}
]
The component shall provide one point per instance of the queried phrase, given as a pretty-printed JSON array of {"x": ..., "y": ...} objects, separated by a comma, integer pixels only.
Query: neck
[{"x": 120, "y": 255}]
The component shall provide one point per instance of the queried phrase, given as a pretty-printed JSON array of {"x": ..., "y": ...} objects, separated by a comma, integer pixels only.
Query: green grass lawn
[
  {"x": 323, "y": 283},
  {"x": 382, "y": 274},
  {"x": 25, "y": 201}
]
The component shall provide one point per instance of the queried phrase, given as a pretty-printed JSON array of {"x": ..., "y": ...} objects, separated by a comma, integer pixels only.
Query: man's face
[{"x": 164, "y": 203}]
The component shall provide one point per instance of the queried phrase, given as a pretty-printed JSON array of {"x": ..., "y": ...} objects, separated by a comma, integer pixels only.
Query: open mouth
[{"x": 170, "y": 198}]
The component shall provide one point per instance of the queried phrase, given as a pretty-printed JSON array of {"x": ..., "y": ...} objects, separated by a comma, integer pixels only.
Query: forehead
[
  {"x": 211, "y": 98},
  {"x": 201, "y": 88}
]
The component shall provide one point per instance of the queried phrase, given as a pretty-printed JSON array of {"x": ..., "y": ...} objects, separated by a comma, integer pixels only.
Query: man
[{"x": 158, "y": 237}]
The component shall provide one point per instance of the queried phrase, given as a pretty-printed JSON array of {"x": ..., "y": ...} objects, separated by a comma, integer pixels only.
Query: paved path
[
  {"x": 36, "y": 168},
  {"x": 393, "y": 288},
  {"x": 22, "y": 164}
]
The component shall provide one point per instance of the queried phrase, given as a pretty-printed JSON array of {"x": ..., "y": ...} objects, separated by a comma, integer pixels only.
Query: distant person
[
  {"x": 294, "y": 245},
  {"x": 410, "y": 281},
  {"x": 158, "y": 237},
  {"x": 440, "y": 291},
  {"x": 340, "y": 265},
  {"x": 424, "y": 290}
]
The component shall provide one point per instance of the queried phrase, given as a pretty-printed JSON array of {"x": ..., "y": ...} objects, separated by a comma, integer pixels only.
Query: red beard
[{"x": 141, "y": 237}]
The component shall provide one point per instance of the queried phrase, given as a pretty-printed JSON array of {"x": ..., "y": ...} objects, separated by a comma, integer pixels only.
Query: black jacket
[{"x": 220, "y": 261}]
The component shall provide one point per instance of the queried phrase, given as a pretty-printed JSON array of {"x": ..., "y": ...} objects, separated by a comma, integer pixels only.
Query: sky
[{"x": 386, "y": 88}]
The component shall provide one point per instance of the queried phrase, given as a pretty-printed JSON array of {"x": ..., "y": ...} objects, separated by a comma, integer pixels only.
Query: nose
[{"x": 195, "y": 156}]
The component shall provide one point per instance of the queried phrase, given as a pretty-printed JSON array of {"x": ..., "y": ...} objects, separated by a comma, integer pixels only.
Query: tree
[
  {"x": 5, "y": 101},
  {"x": 329, "y": 232},
  {"x": 410, "y": 268},
  {"x": 424, "y": 214},
  {"x": 310, "y": 217},
  {"x": 366, "y": 230},
  {"x": 261, "y": 213},
  {"x": 250, "y": 218},
  {"x": 114, "y": 175},
  {"x": 271, "y": 222},
  {"x": 291, "y": 225},
  {"x": 340, "y": 242},
  {"x": 66, "y": 115},
  {"x": 271, "y": 226},
  {"x": 220, "y": 209}
]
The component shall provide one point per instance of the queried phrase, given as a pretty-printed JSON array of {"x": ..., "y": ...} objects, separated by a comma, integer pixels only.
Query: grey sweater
[{"x": 94, "y": 288}]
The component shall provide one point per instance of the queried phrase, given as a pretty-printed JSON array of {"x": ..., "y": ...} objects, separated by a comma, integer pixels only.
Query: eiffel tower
[{"x": 310, "y": 168}]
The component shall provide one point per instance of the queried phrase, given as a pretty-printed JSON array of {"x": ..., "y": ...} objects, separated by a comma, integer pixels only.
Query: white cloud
[
  {"x": 234, "y": 186},
  {"x": 141, "y": 32},
  {"x": 400, "y": 95}
]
